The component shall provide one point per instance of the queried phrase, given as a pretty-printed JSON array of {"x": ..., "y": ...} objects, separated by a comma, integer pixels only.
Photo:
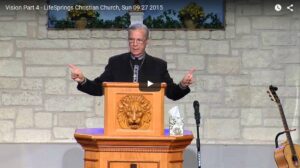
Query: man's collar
[{"x": 139, "y": 58}]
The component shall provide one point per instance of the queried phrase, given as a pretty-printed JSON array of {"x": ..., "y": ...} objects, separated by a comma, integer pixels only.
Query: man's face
[{"x": 137, "y": 42}]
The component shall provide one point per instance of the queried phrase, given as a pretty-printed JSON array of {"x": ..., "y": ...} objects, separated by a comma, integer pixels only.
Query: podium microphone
[{"x": 197, "y": 118}]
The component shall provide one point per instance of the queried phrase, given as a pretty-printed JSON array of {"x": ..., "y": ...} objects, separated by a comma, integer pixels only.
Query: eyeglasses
[{"x": 137, "y": 41}]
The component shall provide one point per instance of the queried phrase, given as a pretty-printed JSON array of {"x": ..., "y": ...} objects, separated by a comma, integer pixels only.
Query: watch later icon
[{"x": 278, "y": 7}]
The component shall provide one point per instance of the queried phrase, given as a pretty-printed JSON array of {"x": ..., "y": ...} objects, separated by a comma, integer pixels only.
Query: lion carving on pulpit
[{"x": 134, "y": 112}]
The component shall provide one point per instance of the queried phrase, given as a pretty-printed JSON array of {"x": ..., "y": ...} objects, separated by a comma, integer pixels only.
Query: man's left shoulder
[{"x": 156, "y": 60}]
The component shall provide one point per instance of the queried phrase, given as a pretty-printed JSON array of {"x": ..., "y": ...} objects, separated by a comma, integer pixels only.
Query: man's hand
[
  {"x": 76, "y": 74},
  {"x": 188, "y": 78}
]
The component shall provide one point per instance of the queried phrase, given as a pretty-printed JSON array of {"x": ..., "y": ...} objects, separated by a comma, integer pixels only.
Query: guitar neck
[{"x": 286, "y": 128}]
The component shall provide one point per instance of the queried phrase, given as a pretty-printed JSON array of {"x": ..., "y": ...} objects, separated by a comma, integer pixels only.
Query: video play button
[
  {"x": 149, "y": 83},
  {"x": 149, "y": 86}
]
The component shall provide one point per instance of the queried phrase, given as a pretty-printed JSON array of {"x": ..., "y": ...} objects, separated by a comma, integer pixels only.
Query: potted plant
[
  {"x": 191, "y": 15},
  {"x": 81, "y": 16}
]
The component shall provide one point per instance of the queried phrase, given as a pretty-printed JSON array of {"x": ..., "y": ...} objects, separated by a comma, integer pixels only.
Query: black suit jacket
[{"x": 119, "y": 69}]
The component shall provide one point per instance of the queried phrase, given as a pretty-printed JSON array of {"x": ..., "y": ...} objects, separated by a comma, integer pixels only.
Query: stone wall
[{"x": 40, "y": 103}]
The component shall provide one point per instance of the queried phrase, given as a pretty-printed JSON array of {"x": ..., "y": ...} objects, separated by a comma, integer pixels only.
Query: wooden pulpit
[
  {"x": 130, "y": 112},
  {"x": 133, "y": 134}
]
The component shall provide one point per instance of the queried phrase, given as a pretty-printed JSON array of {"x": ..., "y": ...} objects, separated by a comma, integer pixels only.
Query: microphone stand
[
  {"x": 197, "y": 118},
  {"x": 198, "y": 145}
]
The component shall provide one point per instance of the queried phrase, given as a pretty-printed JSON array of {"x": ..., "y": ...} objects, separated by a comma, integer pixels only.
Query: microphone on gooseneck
[{"x": 197, "y": 118}]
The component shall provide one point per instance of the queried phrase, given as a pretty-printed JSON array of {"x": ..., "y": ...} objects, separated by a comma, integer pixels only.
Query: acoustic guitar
[{"x": 288, "y": 154}]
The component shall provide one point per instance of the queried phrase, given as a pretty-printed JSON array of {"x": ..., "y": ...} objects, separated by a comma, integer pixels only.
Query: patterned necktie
[
  {"x": 136, "y": 68},
  {"x": 136, "y": 73}
]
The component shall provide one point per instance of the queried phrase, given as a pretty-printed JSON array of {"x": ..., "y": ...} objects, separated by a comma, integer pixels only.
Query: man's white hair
[{"x": 136, "y": 26}]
